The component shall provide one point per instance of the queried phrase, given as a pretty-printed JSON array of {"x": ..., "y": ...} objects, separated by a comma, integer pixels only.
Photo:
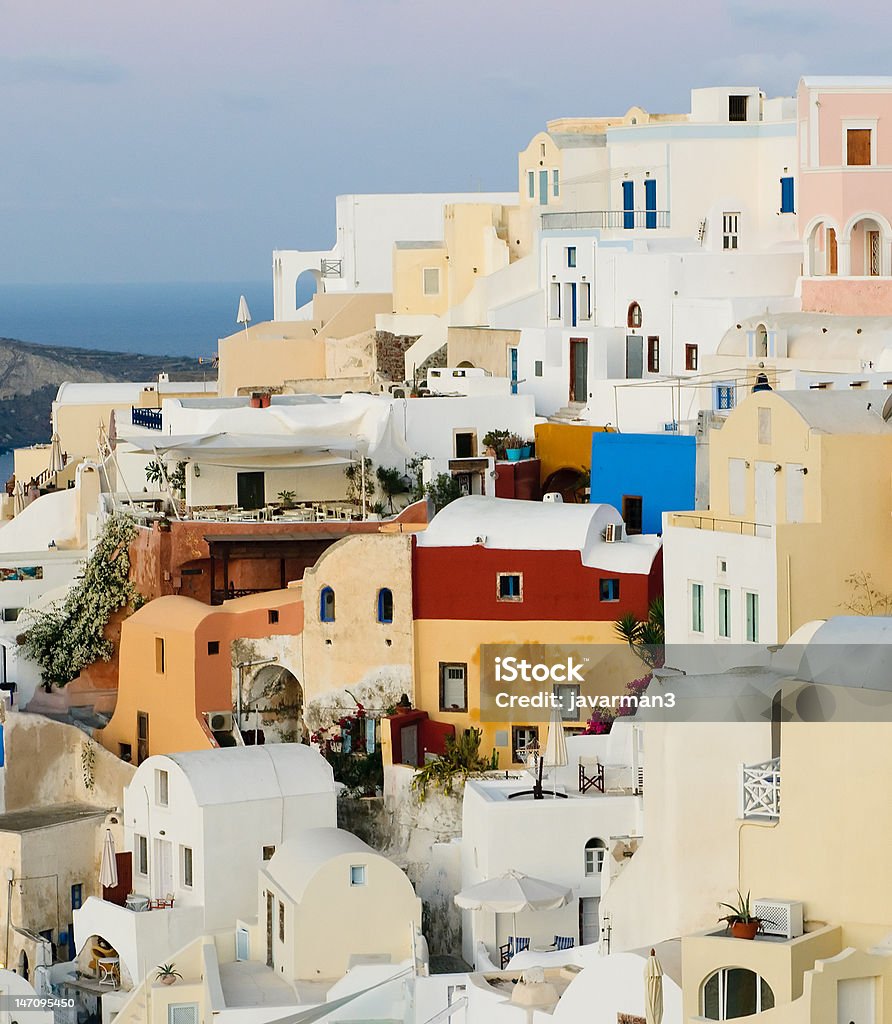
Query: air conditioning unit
[
  {"x": 614, "y": 533},
  {"x": 779, "y": 917},
  {"x": 554, "y": 497},
  {"x": 220, "y": 721}
]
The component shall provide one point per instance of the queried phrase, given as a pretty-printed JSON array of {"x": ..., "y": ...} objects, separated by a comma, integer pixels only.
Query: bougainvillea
[
  {"x": 70, "y": 635},
  {"x": 603, "y": 718}
]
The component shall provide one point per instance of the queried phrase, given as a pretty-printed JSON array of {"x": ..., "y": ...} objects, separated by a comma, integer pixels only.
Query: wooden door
[
  {"x": 832, "y": 259},
  {"x": 578, "y": 370}
]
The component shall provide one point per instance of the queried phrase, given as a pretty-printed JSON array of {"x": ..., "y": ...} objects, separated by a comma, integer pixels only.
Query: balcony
[
  {"x": 148, "y": 418},
  {"x": 330, "y": 268},
  {"x": 585, "y": 220},
  {"x": 707, "y": 521},
  {"x": 760, "y": 790}
]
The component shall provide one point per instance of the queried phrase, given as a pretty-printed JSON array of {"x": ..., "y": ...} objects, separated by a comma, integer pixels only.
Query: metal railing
[
  {"x": 148, "y": 418},
  {"x": 330, "y": 268},
  {"x": 760, "y": 790},
  {"x": 580, "y": 220},
  {"x": 707, "y": 522}
]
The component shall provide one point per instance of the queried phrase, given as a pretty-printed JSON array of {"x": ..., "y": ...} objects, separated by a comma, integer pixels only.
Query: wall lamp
[
  {"x": 197, "y": 469},
  {"x": 778, "y": 467}
]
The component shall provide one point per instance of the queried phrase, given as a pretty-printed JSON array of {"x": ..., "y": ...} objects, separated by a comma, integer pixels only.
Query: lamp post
[{"x": 240, "y": 667}]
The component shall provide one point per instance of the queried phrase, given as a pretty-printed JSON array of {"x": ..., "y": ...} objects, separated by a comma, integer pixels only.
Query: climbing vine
[
  {"x": 70, "y": 635},
  {"x": 88, "y": 764}
]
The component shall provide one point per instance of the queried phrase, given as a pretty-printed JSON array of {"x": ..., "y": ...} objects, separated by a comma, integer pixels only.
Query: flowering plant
[{"x": 602, "y": 720}]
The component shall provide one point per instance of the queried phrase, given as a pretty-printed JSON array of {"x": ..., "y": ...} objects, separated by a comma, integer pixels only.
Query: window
[
  {"x": 431, "y": 280},
  {"x": 186, "y": 866},
  {"x": 696, "y": 607},
  {"x": 125, "y": 752},
  {"x": 159, "y": 655},
  {"x": 609, "y": 590},
  {"x": 453, "y": 686},
  {"x": 571, "y": 255},
  {"x": 735, "y": 992},
  {"x": 653, "y": 354},
  {"x": 737, "y": 108},
  {"x": 633, "y": 318},
  {"x": 182, "y": 1013},
  {"x": 568, "y": 694},
  {"x": 357, "y": 874},
  {"x": 524, "y": 741},
  {"x": 326, "y": 605},
  {"x": 595, "y": 851},
  {"x": 537, "y": 368},
  {"x": 556, "y": 185},
  {"x": 555, "y": 300},
  {"x": 142, "y": 736},
  {"x": 281, "y": 921},
  {"x": 161, "y": 787},
  {"x": 142, "y": 855},
  {"x": 465, "y": 442},
  {"x": 751, "y": 603},
  {"x": 385, "y": 605},
  {"x": 764, "y": 426},
  {"x": 633, "y": 507},
  {"x": 542, "y": 149},
  {"x": 723, "y": 396},
  {"x": 628, "y": 204},
  {"x": 650, "y": 203},
  {"x": 268, "y": 852},
  {"x": 787, "y": 196},
  {"x": 730, "y": 226},
  {"x": 585, "y": 301},
  {"x": 531, "y": 184},
  {"x": 510, "y": 586},
  {"x": 858, "y": 147},
  {"x": 213, "y": 646},
  {"x": 724, "y": 610},
  {"x": 691, "y": 359},
  {"x": 273, "y": 616},
  {"x": 11, "y": 614},
  {"x": 77, "y": 896}
]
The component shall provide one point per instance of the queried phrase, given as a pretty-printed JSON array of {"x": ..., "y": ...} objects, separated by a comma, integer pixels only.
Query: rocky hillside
[{"x": 30, "y": 376}]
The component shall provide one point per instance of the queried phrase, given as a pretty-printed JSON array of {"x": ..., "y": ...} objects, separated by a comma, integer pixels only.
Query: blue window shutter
[
  {"x": 787, "y": 201},
  {"x": 556, "y": 182},
  {"x": 543, "y": 188},
  {"x": 628, "y": 204},
  {"x": 531, "y": 184},
  {"x": 650, "y": 203}
]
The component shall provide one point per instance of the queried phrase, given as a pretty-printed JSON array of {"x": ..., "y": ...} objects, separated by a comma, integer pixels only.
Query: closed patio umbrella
[
  {"x": 57, "y": 464},
  {"x": 108, "y": 869},
  {"x": 653, "y": 990},
  {"x": 555, "y": 754},
  {"x": 18, "y": 498}
]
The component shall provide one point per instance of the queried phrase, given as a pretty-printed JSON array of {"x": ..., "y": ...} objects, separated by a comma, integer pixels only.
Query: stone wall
[{"x": 390, "y": 351}]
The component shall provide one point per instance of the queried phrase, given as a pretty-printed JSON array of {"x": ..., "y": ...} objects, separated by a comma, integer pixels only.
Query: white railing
[{"x": 760, "y": 790}]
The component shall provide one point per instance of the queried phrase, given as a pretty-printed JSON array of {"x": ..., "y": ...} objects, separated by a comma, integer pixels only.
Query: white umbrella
[
  {"x": 555, "y": 754},
  {"x": 56, "y": 463},
  {"x": 18, "y": 498},
  {"x": 513, "y": 892},
  {"x": 653, "y": 990},
  {"x": 108, "y": 869}
]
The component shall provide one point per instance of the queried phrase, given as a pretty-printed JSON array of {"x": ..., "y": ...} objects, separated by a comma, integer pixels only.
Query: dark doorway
[
  {"x": 632, "y": 512},
  {"x": 251, "y": 491},
  {"x": 142, "y": 736},
  {"x": 270, "y": 906},
  {"x": 578, "y": 370}
]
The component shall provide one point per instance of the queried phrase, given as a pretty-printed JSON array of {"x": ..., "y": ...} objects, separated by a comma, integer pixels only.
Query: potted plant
[
  {"x": 514, "y": 447},
  {"x": 287, "y": 498},
  {"x": 495, "y": 439},
  {"x": 741, "y": 922},
  {"x": 528, "y": 449},
  {"x": 167, "y": 974}
]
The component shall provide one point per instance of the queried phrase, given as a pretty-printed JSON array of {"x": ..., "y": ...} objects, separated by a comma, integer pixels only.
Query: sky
[{"x": 184, "y": 140}]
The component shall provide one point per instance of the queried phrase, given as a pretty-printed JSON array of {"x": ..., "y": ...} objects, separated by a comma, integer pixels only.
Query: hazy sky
[{"x": 186, "y": 139}]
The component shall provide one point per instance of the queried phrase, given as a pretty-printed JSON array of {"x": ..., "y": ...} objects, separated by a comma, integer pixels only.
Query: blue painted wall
[{"x": 661, "y": 468}]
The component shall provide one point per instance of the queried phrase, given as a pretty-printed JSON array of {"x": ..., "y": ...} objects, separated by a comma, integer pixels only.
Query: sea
[{"x": 176, "y": 318}]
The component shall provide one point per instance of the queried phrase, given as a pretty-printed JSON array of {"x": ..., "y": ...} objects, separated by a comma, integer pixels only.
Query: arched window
[
  {"x": 735, "y": 992},
  {"x": 385, "y": 605},
  {"x": 326, "y": 605},
  {"x": 595, "y": 849},
  {"x": 634, "y": 317}
]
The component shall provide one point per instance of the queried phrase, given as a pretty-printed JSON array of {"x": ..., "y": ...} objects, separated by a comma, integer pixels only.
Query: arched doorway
[
  {"x": 273, "y": 707},
  {"x": 761, "y": 341},
  {"x": 305, "y": 287},
  {"x": 24, "y": 968},
  {"x": 821, "y": 248},
  {"x": 866, "y": 248},
  {"x": 569, "y": 482}
]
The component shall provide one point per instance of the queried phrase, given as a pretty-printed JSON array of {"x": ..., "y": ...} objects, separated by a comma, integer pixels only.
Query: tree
[
  {"x": 647, "y": 638},
  {"x": 442, "y": 490},
  {"x": 175, "y": 477},
  {"x": 461, "y": 761},
  {"x": 415, "y": 466},
  {"x": 392, "y": 482},
  {"x": 355, "y": 480},
  {"x": 866, "y": 599}
]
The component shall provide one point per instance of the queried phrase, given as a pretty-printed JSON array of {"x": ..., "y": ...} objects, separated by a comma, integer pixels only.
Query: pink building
[{"x": 845, "y": 194}]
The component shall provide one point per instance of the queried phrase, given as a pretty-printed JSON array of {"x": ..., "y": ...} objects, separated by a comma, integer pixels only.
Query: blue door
[
  {"x": 787, "y": 203},
  {"x": 573, "y": 305},
  {"x": 628, "y": 204},
  {"x": 512, "y": 356},
  {"x": 543, "y": 188},
  {"x": 650, "y": 203}
]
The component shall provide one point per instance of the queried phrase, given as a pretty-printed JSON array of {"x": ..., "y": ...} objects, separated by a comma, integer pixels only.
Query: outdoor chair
[
  {"x": 591, "y": 773},
  {"x": 564, "y": 942},
  {"x": 512, "y": 946}
]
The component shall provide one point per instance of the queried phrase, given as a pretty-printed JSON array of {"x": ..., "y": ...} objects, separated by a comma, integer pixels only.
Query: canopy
[
  {"x": 512, "y": 893},
  {"x": 653, "y": 990},
  {"x": 108, "y": 869}
]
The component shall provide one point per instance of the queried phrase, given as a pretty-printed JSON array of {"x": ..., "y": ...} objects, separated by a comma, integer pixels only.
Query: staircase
[{"x": 573, "y": 412}]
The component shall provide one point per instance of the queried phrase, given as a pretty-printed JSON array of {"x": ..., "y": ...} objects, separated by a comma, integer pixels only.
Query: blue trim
[
  {"x": 383, "y": 614},
  {"x": 787, "y": 196},
  {"x": 650, "y": 203},
  {"x": 628, "y": 204},
  {"x": 326, "y": 614}
]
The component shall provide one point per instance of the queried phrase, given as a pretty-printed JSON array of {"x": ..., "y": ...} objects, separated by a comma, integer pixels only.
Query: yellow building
[{"x": 798, "y": 526}]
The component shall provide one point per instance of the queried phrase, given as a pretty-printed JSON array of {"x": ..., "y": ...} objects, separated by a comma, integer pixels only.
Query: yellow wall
[
  {"x": 564, "y": 446},
  {"x": 482, "y": 347},
  {"x": 476, "y": 240},
  {"x": 459, "y": 640},
  {"x": 409, "y": 265}
]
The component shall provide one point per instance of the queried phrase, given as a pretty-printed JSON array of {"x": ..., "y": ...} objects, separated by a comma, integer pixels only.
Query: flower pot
[
  {"x": 526, "y": 451},
  {"x": 167, "y": 979},
  {"x": 744, "y": 929},
  {"x": 513, "y": 454}
]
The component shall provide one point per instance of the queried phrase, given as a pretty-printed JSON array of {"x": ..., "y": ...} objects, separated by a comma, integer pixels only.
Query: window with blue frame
[
  {"x": 723, "y": 396},
  {"x": 650, "y": 203},
  {"x": 326, "y": 605},
  {"x": 510, "y": 586},
  {"x": 571, "y": 255},
  {"x": 609, "y": 590},
  {"x": 787, "y": 196},
  {"x": 628, "y": 204},
  {"x": 385, "y": 605}
]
